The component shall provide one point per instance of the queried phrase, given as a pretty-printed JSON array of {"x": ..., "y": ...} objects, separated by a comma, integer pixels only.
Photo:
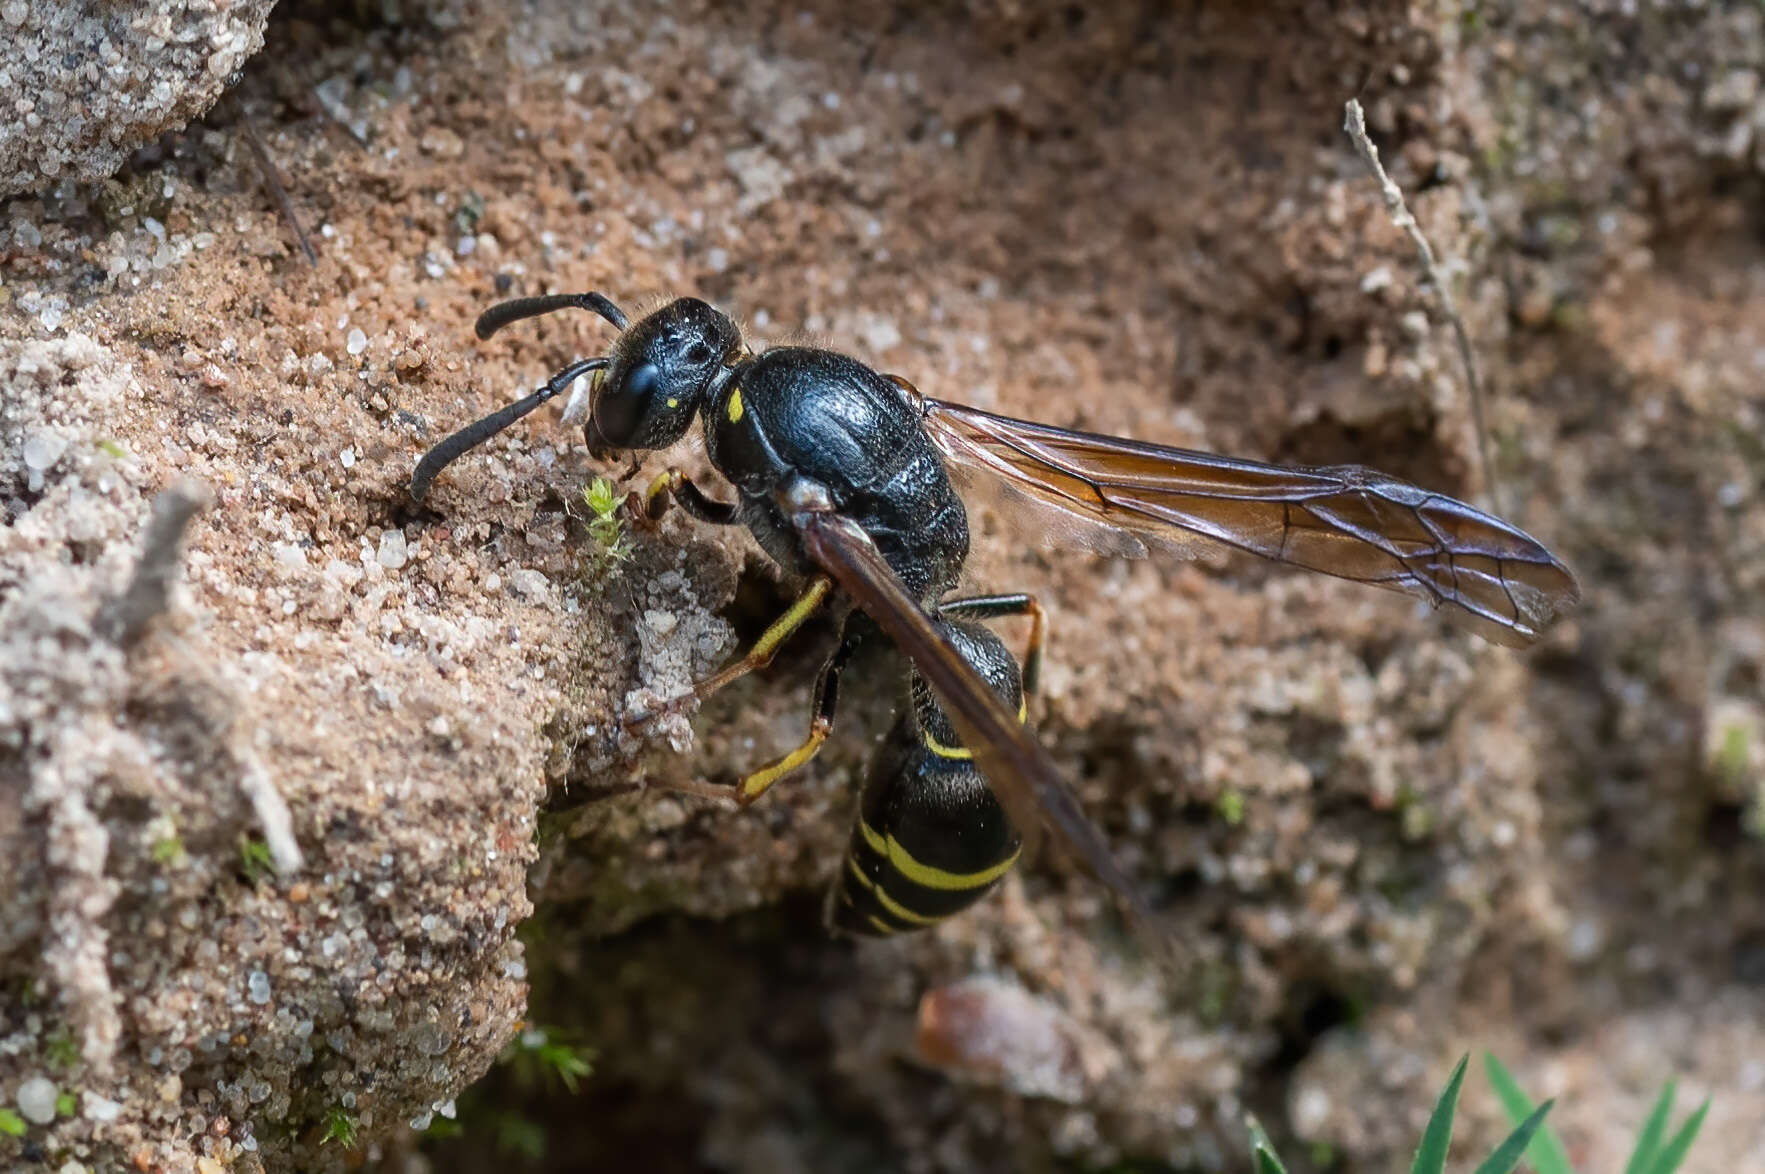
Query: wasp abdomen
[{"x": 930, "y": 841}]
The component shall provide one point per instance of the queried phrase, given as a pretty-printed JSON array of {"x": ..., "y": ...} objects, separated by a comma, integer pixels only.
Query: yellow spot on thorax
[{"x": 735, "y": 405}]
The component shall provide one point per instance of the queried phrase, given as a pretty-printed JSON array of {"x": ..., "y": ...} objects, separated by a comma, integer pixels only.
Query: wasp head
[{"x": 660, "y": 371}]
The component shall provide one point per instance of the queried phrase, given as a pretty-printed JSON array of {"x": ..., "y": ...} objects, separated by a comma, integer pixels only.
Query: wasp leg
[
  {"x": 758, "y": 657},
  {"x": 826, "y": 700},
  {"x": 987, "y": 607},
  {"x": 675, "y": 486}
]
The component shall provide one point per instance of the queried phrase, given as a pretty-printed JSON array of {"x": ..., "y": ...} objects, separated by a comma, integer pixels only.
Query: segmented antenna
[
  {"x": 503, "y": 313},
  {"x": 479, "y": 431}
]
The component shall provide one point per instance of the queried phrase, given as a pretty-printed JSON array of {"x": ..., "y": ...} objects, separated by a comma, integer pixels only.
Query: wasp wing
[
  {"x": 1343, "y": 520},
  {"x": 1019, "y": 769}
]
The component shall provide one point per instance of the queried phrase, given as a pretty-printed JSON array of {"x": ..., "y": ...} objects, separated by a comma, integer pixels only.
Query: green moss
[
  {"x": 605, "y": 527},
  {"x": 544, "y": 1056},
  {"x": 11, "y": 1124},
  {"x": 340, "y": 1127},
  {"x": 169, "y": 851},
  {"x": 1733, "y": 753},
  {"x": 61, "y": 1051},
  {"x": 255, "y": 862},
  {"x": 1414, "y": 820}
]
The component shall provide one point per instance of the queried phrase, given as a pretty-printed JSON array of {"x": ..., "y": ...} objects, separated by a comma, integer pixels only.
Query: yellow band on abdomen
[{"x": 926, "y": 875}]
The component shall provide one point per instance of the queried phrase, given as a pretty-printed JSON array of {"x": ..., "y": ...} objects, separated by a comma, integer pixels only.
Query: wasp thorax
[{"x": 661, "y": 370}]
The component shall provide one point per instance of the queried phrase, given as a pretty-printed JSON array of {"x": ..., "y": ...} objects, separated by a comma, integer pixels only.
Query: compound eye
[
  {"x": 641, "y": 383},
  {"x": 620, "y": 411}
]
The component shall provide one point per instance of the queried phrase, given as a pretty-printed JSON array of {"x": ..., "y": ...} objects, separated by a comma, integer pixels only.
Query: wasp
[{"x": 844, "y": 476}]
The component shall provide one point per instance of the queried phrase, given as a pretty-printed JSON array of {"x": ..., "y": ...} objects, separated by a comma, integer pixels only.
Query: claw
[
  {"x": 671, "y": 708},
  {"x": 636, "y": 515}
]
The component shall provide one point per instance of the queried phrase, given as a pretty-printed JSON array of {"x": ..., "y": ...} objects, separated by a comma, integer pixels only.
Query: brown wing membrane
[
  {"x": 1018, "y": 768},
  {"x": 1344, "y": 520}
]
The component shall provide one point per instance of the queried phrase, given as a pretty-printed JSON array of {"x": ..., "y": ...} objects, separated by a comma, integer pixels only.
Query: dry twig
[
  {"x": 274, "y": 180},
  {"x": 1355, "y": 123},
  {"x": 125, "y": 618}
]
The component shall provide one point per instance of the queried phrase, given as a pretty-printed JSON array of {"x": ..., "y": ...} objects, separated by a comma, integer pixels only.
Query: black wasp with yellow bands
[
  {"x": 843, "y": 475},
  {"x": 930, "y": 839}
]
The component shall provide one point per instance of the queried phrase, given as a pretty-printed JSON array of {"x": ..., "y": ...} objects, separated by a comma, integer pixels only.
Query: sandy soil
[{"x": 1381, "y": 843}]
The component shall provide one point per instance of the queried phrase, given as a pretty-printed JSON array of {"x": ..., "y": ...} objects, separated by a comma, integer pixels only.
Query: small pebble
[
  {"x": 393, "y": 551},
  {"x": 101, "y": 1109},
  {"x": 258, "y": 984},
  {"x": 36, "y": 1100},
  {"x": 42, "y": 448},
  {"x": 530, "y": 583},
  {"x": 358, "y": 341}
]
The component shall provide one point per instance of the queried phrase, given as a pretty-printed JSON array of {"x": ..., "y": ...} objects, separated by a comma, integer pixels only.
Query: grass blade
[
  {"x": 1437, "y": 1138},
  {"x": 1674, "y": 1151},
  {"x": 1507, "y": 1154},
  {"x": 1262, "y": 1151},
  {"x": 1648, "y": 1142},
  {"x": 1547, "y": 1153}
]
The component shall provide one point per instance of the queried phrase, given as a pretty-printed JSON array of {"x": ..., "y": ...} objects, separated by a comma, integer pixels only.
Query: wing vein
[{"x": 1346, "y": 521}]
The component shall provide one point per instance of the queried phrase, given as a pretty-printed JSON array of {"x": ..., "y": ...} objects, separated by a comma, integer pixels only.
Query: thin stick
[
  {"x": 126, "y": 618},
  {"x": 275, "y": 183},
  {"x": 272, "y": 813},
  {"x": 1355, "y": 123}
]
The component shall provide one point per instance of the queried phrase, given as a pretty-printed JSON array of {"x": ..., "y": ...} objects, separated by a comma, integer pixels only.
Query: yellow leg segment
[
  {"x": 755, "y": 784},
  {"x": 646, "y": 509},
  {"x": 1032, "y": 654},
  {"x": 664, "y": 482},
  {"x": 761, "y": 654}
]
